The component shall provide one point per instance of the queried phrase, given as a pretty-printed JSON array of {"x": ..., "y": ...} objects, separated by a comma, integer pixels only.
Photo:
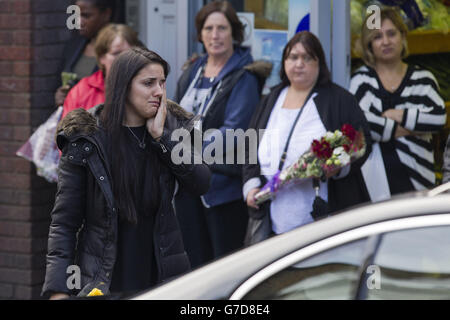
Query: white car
[{"x": 396, "y": 249}]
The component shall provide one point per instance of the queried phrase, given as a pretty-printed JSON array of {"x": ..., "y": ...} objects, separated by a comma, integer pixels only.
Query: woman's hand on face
[
  {"x": 251, "y": 198},
  {"x": 155, "y": 125}
]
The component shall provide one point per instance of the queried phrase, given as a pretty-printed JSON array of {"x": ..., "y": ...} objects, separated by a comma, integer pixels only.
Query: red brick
[
  {"x": 20, "y": 245},
  {"x": 24, "y": 213},
  {"x": 14, "y": 197},
  {"x": 22, "y": 68},
  {"x": 14, "y": 22},
  {"x": 14, "y": 117},
  {"x": 14, "y": 100},
  {"x": 4, "y": 116},
  {"x": 41, "y": 199},
  {"x": 26, "y": 277},
  {"x": 6, "y": 133},
  {"x": 23, "y": 245},
  {"x": 21, "y": 133},
  {"x": 6, "y": 291},
  {"x": 15, "y": 164},
  {"x": 7, "y": 260},
  {"x": 5, "y": 6},
  {"x": 15, "y": 229},
  {"x": 21, "y": 100},
  {"x": 30, "y": 292},
  {"x": 6, "y": 38},
  {"x": 7, "y": 116},
  {"x": 20, "y": 261},
  {"x": 50, "y": 5},
  {"x": 6, "y": 100},
  {"x": 22, "y": 38},
  {"x": 6, "y": 68},
  {"x": 15, "y": 53},
  {"x": 14, "y": 85},
  {"x": 15, "y": 180},
  {"x": 21, "y": 117},
  {"x": 9, "y": 148},
  {"x": 22, "y": 6},
  {"x": 13, "y": 212}
]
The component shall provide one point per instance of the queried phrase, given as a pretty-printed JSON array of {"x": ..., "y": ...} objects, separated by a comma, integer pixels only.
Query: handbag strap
[{"x": 284, "y": 154}]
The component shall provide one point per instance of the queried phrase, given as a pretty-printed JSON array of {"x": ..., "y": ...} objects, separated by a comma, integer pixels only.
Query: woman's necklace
[
  {"x": 212, "y": 70},
  {"x": 392, "y": 81},
  {"x": 141, "y": 143}
]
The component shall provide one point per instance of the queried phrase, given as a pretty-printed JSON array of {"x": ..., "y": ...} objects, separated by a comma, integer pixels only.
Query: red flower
[
  {"x": 321, "y": 149},
  {"x": 347, "y": 147},
  {"x": 349, "y": 132}
]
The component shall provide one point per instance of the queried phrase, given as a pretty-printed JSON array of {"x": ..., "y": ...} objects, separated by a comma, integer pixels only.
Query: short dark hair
[
  {"x": 118, "y": 83},
  {"x": 225, "y": 7},
  {"x": 314, "y": 49},
  {"x": 102, "y": 5}
]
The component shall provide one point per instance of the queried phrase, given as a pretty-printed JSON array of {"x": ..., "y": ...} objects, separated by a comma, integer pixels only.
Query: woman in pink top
[{"x": 90, "y": 91}]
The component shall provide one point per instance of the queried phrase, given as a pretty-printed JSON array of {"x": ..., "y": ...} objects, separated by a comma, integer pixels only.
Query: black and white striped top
[{"x": 418, "y": 95}]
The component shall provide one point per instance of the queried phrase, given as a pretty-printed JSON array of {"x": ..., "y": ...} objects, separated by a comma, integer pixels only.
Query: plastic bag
[{"x": 41, "y": 148}]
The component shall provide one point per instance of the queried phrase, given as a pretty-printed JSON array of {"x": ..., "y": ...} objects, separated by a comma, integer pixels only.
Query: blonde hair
[
  {"x": 107, "y": 35},
  {"x": 367, "y": 35}
]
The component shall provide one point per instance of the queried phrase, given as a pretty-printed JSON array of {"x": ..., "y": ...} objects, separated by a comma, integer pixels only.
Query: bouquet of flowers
[{"x": 333, "y": 151}]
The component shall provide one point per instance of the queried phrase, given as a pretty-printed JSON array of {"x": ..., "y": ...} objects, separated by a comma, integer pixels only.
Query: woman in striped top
[{"x": 403, "y": 107}]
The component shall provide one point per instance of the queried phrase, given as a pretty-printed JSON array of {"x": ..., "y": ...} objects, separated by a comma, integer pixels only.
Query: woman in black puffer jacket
[{"x": 113, "y": 216}]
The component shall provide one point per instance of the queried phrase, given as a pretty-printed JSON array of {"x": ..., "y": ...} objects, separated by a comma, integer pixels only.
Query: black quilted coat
[{"x": 84, "y": 224}]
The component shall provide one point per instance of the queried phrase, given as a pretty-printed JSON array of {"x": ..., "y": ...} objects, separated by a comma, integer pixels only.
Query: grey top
[{"x": 84, "y": 66}]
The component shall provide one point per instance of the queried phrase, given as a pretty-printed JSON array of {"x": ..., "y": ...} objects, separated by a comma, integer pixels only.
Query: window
[
  {"x": 269, "y": 14},
  {"x": 333, "y": 274},
  {"x": 414, "y": 264}
]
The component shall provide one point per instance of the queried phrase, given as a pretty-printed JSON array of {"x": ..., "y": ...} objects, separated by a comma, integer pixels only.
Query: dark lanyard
[{"x": 284, "y": 155}]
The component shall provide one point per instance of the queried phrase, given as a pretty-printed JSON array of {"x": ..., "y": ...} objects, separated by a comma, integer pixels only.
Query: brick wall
[{"x": 32, "y": 33}]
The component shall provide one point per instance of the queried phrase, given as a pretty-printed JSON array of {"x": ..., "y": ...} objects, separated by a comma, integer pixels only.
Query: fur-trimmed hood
[
  {"x": 85, "y": 122},
  {"x": 261, "y": 68}
]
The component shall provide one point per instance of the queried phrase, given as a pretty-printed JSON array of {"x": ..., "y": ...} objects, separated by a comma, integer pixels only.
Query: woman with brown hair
[
  {"x": 223, "y": 89},
  {"x": 403, "y": 107},
  {"x": 111, "y": 41},
  {"x": 303, "y": 107},
  {"x": 113, "y": 215}
]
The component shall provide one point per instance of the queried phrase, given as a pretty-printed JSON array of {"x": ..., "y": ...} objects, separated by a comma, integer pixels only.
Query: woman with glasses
[{"x": 303, "y": 107}]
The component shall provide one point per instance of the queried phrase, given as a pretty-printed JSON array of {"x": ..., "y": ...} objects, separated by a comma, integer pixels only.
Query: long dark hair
[
  {"x": 314, "y": 49},
  {"x": 123, "y": 70}
]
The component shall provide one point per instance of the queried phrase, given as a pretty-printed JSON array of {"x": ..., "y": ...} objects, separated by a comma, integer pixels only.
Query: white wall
[{"x": 164, "y": 29}]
